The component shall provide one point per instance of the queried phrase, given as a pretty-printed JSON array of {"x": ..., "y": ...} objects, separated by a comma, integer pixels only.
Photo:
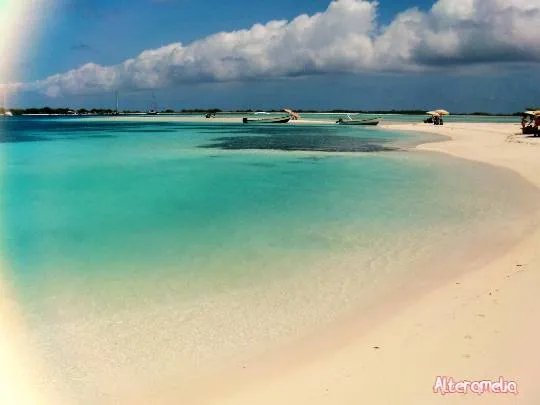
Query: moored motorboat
[
  {"x": 7, "y": 113},
  {"x": 367, "y": 121},
  {"x": 273, "y": 120}
]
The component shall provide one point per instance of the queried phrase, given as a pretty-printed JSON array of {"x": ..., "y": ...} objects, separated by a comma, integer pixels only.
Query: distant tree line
[
  {"x": 99, "y": 111},
  {"x": 200, "y": 110},
  {"x": 108, "y": 111},
  {"x": 60, "y": 111},
  {"x": 491, "y": 114}
]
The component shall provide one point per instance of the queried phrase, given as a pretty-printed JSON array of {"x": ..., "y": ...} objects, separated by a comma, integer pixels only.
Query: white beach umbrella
[
  {"x": 293, "y": 114},
  {"x": 442, "y": 112},
  {"x": 432, "y": 113}
]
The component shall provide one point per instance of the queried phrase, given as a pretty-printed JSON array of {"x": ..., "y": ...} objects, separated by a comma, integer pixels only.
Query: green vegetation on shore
[{"x": 108, "y": 111}]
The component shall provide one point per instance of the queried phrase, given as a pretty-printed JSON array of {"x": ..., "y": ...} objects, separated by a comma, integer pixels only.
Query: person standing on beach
[
  {"x": 536, "y": 124},
  {"x": 523, "y": 121}
]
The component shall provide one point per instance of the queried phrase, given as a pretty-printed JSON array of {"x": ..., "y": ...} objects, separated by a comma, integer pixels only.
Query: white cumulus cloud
[{"x": 346, "y": 37}]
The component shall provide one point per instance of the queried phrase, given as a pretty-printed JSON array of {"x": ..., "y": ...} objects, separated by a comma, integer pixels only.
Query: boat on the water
[
  {"x": 364, "y": 121},
  {"x": 116, "y": 111},
  {"x": 273, "y": 120},
  {"x": 7, "y": 113}
]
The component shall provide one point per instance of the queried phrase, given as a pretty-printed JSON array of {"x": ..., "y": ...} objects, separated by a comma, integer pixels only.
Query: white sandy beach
[
  {"x": 22, "y": 373},
  {"x": 481, "y": 325}
]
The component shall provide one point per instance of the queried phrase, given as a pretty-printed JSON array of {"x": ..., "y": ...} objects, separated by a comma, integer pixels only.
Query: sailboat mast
[
  {"x": 6, "y": 112},
  {"x": 116, "y": 93}
]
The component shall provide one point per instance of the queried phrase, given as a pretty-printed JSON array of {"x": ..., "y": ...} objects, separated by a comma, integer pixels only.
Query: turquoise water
[
  {"x": 117, "y": 233},
  {"x": 84, "y": 197}
]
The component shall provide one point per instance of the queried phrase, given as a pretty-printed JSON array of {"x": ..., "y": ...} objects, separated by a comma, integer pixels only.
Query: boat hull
[
  {"x": 370, "y": 122},
  {"x": 279, "y": 120}
]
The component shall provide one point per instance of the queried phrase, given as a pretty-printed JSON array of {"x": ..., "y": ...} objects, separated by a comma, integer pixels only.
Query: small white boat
[
  {"x": 116, "y": 111},
  {"x": 273, "y": 120},
  {"x": 7, "y": 113},
  {"x": 365, "y": 121}
]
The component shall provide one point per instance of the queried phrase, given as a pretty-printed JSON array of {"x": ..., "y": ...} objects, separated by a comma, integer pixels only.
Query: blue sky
[{"x": 108, "y": 32}]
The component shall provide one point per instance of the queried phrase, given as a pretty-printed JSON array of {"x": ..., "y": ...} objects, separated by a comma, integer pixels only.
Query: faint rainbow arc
[{"x": 20, "y": 367}]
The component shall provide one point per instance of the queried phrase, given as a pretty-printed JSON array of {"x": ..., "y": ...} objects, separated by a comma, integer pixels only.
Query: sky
[{"x": 463, "y": 55}]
